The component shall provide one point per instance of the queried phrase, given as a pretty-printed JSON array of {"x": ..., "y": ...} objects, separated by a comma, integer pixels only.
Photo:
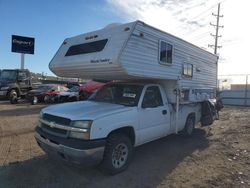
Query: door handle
[{"x": 164, "y": 112}]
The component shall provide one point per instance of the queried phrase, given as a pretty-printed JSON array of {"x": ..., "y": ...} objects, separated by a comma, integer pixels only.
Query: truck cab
[
  {"x": 106, "y": 128},
  {"x": 14, "y": 83}
]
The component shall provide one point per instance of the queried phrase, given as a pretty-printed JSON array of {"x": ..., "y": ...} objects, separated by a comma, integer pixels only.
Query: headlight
[
  {"x": 82, "y": 124},
  {"x": 5, "y": 88},
  {"x": 79, "y": 135}
]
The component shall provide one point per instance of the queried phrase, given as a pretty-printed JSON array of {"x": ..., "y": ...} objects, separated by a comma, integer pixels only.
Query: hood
[{"x": 85, "y": 110}]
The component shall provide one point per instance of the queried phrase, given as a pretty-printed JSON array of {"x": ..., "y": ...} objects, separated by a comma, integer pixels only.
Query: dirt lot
[{"x": 216, "y": 157}]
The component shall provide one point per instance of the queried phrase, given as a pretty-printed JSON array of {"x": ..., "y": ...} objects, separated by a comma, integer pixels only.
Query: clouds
[
  {"x": 175, "y": 16},
  {"x": 190, "y": 20}
]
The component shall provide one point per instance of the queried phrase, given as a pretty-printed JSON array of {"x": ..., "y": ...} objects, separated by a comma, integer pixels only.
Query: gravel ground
[{"x": 213, "y": 157}]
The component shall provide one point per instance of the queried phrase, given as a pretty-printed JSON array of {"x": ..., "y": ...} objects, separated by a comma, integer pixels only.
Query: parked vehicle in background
[
  {"x": 45, "y": 93},
  {"x": 14, "y": 84},
  {"x": 79, "y": 92},
  {"x": 90, "y": 87},
  {"x": 68, "y": 96}
]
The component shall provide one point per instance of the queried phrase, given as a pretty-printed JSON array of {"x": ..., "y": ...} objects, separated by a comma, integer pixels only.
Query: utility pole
[
  {"x": 217, "y": 26},
  {"x": 22, "y": 61}
]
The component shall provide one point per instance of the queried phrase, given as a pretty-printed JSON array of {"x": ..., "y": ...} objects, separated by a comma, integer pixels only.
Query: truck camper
[{"x": 160, "y": 84}]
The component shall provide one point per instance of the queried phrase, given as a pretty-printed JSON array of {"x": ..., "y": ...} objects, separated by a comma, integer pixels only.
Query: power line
[
  {"x": 203, "y": 12},
  {"x": 200, "y": 36},
  {"x": 197, "y": 16}
]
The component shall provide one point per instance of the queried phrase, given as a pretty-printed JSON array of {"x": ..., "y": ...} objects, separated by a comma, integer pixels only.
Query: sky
[{"x": 51, "y": 21}]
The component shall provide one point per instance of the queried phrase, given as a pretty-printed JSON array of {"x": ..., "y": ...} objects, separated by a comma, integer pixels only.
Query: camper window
[
  {"x": 187, "y": 70},
  {"x": 86, "y": 48},
  {"x": 166, "y": 50}
]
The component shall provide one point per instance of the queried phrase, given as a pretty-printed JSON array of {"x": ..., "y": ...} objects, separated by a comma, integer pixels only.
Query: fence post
[{"x": 246, "y": 99}]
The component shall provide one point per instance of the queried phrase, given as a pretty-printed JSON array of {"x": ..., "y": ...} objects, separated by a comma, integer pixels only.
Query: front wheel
[
  {"x": 13, "y": 97},
  {"x": 118, "y": 153}
]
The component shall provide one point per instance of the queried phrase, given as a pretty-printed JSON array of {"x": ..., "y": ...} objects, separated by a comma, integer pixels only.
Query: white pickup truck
[
  {"x": 106, "y": 128},
  {"x": 176, "y": 77}
]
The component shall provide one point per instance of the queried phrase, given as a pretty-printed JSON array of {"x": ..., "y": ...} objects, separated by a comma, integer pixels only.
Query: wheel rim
[
  {"x": 13, "y": 97},
  {"x": 119, "y": 155},
  {"x": 46, "y": 98},
  {"x": 190, "y": 126},
  {"x": 35, "y": 100}
]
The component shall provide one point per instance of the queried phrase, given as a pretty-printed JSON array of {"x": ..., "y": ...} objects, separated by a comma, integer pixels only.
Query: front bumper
[{"x": 87, "y": 157}]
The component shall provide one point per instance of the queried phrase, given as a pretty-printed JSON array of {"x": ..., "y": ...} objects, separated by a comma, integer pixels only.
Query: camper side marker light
[
  {"x": 65, "y": 42},
  {"x": 126, "y": 29}
]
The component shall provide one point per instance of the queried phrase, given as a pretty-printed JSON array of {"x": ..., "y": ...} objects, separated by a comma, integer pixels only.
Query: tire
[
  {"x": 34, "y": 100},
  {"x": 13, "y": 97},
  {"x": 46, "y": 99},
  {"x": 72, "y": 99},
  {"x": 84, "y": 95},
  {"x": 61, "y": 100},
  {"x": 118, "y": 153},
  {"x": 189, "y": 126}
]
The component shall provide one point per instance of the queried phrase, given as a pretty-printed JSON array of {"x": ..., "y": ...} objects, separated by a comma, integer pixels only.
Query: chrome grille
[
  {"x": 49, "y": 129},
  {"x": 56, "y": 119}
]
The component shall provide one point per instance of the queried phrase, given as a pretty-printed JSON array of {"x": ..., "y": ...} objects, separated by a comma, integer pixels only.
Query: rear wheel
[
  {"x": 118, "y": 153},
  {"x": 13, "y": 97}
]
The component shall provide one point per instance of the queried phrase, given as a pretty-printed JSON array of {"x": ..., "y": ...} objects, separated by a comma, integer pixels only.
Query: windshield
[
  {"x": 74, "y": 89},
  {"x": 8, "y": 75},
  {"x": 123, "y": 94}
]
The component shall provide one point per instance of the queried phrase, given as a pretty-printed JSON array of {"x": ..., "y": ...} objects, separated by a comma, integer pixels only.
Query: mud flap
[{"x": 208, "y": 113}]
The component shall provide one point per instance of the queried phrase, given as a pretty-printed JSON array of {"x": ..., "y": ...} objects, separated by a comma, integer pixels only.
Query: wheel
[
  {"x": 34, "y": 100},
  {"x": 189, "y": 126},
  {"x": 84, "y": 95},
  {"x": 13, "y": 97},
  {"x": 62, "y": 99},
  {"x": 118, "y": 153},
  {"x": 73, "y": 99},
  {"x": 46, "y": 99}
]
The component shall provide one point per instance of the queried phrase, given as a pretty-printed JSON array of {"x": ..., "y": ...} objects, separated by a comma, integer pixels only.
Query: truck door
[
  {"x": 23, "y": 81},
  {"x": 154, "y": 115}
]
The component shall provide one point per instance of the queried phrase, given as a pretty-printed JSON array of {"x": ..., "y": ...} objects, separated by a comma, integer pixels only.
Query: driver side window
[{"x": 152, "y": 98}]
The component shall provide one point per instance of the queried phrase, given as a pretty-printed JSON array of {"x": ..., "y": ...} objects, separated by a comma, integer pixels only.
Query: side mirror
[{"x": 22, "y": 78}]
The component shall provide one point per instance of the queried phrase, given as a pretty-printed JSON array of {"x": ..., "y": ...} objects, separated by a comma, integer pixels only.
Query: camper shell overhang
[{"x": 127, "y": 51}]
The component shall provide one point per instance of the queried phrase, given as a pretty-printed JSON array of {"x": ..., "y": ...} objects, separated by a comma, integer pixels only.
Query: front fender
[
  {"x": 105, "y": 125},
  {"x": 14, "y": 87}
]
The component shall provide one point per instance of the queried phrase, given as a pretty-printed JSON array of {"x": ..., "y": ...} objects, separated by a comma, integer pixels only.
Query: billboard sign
[{"x": 22, "y": 44}]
